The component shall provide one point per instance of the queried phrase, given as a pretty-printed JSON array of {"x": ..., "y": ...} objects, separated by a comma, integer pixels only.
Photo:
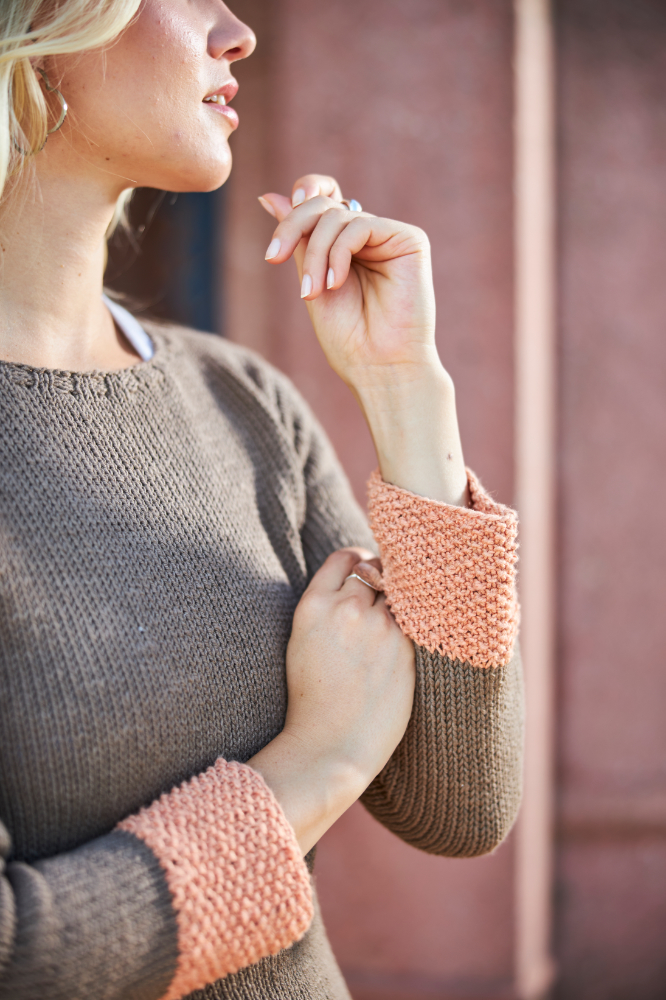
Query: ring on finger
[
  {"x": 355, "y": 576},
  {"x": 352, "y": 204}
]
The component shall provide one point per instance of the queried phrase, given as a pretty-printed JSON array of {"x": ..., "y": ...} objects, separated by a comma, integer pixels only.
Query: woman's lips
[
  {"x": 219, "y": 101},
  {"x": 223, "y": 109}
]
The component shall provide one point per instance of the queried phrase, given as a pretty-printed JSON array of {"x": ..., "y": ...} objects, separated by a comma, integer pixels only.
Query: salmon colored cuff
[
  {"x": 240, "y": 887},
  {"x": 449, "y": 572}
]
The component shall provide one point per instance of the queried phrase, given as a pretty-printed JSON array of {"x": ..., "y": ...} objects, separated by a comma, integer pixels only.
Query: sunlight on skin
[
  {"x": 375, "y": 320},
  {"x": 152, "y": 111}
]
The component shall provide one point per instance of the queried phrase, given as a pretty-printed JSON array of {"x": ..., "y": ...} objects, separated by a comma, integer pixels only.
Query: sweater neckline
[{"x": 16, "y": 368}]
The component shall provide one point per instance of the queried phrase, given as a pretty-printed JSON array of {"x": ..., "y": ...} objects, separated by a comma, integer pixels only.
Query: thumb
[{"x": 276, "y": 205}]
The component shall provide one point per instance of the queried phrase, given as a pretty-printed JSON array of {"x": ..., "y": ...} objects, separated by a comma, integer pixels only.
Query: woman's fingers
[
  {"x": 276, "y": 205},
  {"x": 320, "y": 221},
  {"x": 365, "y": 582},
  {"x": 311, "y": 185},
  {"x": 330, "y": 249},
  {"x": 305, "y": 188},
  {"x": 333, "y": 573},
  {"x": 299, "y": 223},
  {"x": 369, "y": 575},
  {"x": 316, "y": 271},
  {"x": 325, "y": 236}
]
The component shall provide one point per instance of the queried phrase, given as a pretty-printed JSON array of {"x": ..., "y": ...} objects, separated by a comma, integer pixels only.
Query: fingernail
[
  {"x": 267, "y": 205},
  {"x": 298, "y": 197},
  {"x": 273, "y": 250},
  {"x": 330, "y": 278},
  {"x": 306, "y": 285}
]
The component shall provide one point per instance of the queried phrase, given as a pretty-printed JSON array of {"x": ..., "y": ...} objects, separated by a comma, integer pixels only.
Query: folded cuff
[
  {"x": 239, "y": 885},
  {"x": 449, "y": 572}
]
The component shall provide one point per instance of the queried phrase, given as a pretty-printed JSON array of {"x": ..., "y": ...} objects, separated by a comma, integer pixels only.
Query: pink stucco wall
[
  {"x": 409, "y": 102},
  {"x": 612, "y": 732}
]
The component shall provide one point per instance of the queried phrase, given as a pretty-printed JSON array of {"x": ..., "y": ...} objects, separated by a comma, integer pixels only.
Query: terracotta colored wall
[
  {"x": 612, "y": 859},
  {"x": 409, "y": 104}
]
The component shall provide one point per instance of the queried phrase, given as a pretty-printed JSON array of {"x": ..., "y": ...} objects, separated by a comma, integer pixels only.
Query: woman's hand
[
  {"x": 367, "y": 283},
  {"x": 350, "y": 675}
]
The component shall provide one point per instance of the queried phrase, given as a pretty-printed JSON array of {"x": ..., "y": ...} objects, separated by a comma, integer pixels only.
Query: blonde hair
[{"x": 33, "y": 30}]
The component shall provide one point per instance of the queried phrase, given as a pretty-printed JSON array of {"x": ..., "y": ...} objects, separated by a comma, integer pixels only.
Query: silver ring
[
  {"x": 353, "y": 206},
  {"x": 355, "y": 576}
]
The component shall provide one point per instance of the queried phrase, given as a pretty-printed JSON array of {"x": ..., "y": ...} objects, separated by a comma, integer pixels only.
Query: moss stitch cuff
[
  {"x": 449, "y": 572},
  {"x": 240, "y": 887}
]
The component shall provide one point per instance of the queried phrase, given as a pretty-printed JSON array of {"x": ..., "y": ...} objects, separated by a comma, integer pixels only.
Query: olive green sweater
[{"x": 158, "y": 526}]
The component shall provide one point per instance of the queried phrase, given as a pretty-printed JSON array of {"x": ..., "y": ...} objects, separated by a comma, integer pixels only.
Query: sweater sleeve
[
  {"x": 453, "y": 785},
  {"x": 205, "y": 880}
]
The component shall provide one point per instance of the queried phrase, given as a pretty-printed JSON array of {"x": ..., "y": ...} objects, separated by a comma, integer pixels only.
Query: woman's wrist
[
  {"x": 411, "y": 413},
  {"x": 314, "y": 788}
]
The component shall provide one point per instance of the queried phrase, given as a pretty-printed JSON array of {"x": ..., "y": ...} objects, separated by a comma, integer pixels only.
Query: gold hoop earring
[{"x": 58, "y": 124}]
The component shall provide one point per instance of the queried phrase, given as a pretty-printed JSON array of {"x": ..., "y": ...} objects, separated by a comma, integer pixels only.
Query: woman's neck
[{"x": 52, "y": 255}]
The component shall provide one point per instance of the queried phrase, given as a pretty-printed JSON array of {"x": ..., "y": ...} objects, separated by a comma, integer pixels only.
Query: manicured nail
[
  {"x": 306, "y": 285},
  {"x": 273, "y": 250},
  {"x": 267, "y": 205},
  {"x": 330, "y": 278},
  {"x": 298, "y": 197}
]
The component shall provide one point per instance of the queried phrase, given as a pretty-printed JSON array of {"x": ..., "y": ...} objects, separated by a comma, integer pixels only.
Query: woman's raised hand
[
  {"x": 367, "y": 282},
  {"x": 350, "y": 678}
]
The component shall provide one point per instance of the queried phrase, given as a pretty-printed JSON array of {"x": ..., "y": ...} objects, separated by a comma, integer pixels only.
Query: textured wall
[
  {"x": 408, "y": 103},
  {"x": 611, "y": 914}
]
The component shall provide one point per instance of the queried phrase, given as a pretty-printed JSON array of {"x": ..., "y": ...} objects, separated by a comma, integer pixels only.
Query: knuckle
[
  {"x": 339, "y": 556},
  {"x": 350, "y": 610},
  {"x": 344, "y": 557},
  {"x": 420, "y": 235}
]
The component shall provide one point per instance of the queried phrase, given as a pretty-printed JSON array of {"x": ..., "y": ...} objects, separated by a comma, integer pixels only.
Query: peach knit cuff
[
  {"x": 449, "y": 572},
  {"x": 240, "y": 887}
]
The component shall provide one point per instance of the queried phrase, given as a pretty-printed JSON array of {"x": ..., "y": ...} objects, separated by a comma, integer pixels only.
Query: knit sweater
[{"x": 158, "y": 526}]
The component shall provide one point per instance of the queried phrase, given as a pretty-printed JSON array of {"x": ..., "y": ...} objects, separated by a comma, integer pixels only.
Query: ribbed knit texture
[
  {"x": 460, "y": 803},
  {"x": 157, "y": 528}
]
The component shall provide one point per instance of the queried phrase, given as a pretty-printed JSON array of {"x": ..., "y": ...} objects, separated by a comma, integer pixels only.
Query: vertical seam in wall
[{"x": 534, "y": 193}]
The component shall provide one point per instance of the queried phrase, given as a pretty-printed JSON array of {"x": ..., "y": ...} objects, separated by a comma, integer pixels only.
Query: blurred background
[{"x": 529, "y": 140}]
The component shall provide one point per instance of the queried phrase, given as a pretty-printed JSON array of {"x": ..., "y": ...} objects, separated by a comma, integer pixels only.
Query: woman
[{"x": 200, "y": 671}]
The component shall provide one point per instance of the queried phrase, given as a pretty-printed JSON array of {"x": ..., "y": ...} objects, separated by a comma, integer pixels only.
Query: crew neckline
[{"x": 158, "y": 345}]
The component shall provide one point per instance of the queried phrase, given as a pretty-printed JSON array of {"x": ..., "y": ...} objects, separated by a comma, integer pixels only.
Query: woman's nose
[{"x": 231, "y": 39}]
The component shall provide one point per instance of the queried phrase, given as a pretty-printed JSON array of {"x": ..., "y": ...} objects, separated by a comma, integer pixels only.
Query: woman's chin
[{"x": 198, "y": 174}]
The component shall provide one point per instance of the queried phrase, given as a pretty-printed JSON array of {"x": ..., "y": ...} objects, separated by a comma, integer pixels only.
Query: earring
[{"x": 58, "y": 124}]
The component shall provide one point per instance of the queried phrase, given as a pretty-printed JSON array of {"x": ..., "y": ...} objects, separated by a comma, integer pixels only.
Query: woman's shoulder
[{"x": 224, "y": 365}]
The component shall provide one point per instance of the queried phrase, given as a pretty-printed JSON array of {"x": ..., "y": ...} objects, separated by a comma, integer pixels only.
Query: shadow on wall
[{"x": 166, "y": 264}]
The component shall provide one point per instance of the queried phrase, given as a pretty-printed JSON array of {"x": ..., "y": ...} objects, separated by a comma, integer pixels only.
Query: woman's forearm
[
  {"x": 313, "y": 788},
  {"x": 414, "y": 426}
]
